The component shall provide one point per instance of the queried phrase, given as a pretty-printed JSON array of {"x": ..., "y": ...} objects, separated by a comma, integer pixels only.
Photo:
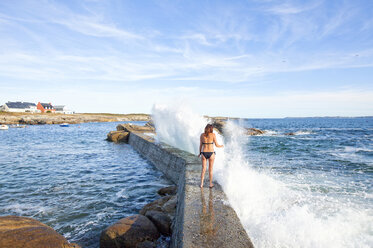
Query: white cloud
[
  {"x": 291, "y": 8},
  {"x": 91, "y": 27}
]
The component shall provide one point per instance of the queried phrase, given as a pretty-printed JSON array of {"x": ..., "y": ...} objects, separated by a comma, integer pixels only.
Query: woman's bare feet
[
  {"x": 211, "y": 185},
  {"x": 201, "y": 186}
]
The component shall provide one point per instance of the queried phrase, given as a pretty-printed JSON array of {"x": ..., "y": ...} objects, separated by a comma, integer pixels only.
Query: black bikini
[{"x": 207, "y": 155}]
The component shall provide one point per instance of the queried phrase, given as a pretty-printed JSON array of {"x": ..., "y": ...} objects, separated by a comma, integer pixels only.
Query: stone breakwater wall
[{"x": 203, "y": 216}]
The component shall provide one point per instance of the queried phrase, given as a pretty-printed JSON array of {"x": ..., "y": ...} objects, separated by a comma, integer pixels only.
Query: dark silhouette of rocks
[{"x": 171, "y": 190}]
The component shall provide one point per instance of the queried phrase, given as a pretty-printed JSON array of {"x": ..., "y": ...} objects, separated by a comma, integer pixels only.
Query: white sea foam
[
  {"x": 150, "y": 134},
  {"x": 122, "y": 194},
  {"x": 28, "y": 209},
  {"x": 270, "y": 133},
  {"x": 303, "y": 132},
  {"x": 276, "y": 133},
  {"x": 273, "y": 212},
  {"x": 179, "y": 126},
  {"x": 357, "y": 149}
]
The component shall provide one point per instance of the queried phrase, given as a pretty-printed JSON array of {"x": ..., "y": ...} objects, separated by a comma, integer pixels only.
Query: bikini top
[{"x": 207, "y": 143}]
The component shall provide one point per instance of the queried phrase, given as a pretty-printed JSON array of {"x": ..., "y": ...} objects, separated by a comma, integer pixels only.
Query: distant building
[
  {"x": 20, "y": 107},
  {"x": 62, "y": 109},
  {"x": 45, "y": 107}
]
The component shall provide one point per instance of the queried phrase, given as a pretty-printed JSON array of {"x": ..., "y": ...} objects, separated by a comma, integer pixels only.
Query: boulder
[
  {"x": 169, "y": 206},
  {"x": 146, "y": 244},
  {"x": 254, "y": 131},
  {"x": 23, "y": 232},
  {"x": 161, "y": 220},
  {"x": 134, "y": 128},
  {"x": 118, "y": 136},
  {"x": 40, "y": 122},
  {"x": 219, "y": 127},
  {"x": 129, "y": 232},
  {"x": 291, "y": 133},
  {"x": 155, "y": 205},
  {"x": 150, "y": 124},
  {"x": 170, "y": 190}
]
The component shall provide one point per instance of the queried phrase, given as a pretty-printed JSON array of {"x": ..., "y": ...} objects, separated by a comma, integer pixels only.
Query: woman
[{"x": 206, "y": 149}]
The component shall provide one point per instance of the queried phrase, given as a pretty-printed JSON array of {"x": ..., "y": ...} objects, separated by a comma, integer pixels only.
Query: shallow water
[{"x": 72, "y": 179}]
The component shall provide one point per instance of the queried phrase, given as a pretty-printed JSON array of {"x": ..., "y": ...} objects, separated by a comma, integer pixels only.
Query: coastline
[{"x": 10, "y": 118}]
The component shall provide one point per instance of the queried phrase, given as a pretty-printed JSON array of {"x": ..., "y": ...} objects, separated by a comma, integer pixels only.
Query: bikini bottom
[{"x": 207, "y": 155}]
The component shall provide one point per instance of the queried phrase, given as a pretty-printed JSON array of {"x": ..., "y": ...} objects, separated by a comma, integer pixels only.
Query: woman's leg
[
  {"x": 211, "y": 166},
  {"x": 204, "y": 162}
]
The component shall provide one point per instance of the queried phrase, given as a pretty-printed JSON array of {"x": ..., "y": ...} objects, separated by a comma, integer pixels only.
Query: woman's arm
[
  {"x": 216, "y": 142},
  {"x": 200, "y": 145}
]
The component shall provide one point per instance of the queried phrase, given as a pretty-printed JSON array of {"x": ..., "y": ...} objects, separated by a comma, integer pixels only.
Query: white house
[
  {"x": 20, "y": 107},
  {"x": 63, "y": 110}
]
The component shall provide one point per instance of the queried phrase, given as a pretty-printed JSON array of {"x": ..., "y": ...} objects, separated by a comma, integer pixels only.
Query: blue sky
[{"x": 233, "y": 58}]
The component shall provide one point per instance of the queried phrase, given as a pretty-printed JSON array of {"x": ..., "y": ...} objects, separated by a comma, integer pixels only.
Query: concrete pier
[{"x": 203, "y": 216}]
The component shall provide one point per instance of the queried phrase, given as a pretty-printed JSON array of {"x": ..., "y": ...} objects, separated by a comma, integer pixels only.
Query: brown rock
[
  {"x": 254, "y": 131},
  {"x": 155, "y": 205},
  {"x": 170, "y": 190},
  {"x": 40, "y": 122},
  {"x": 118, "y": 136},
  {"x": 146, "y": 244},
  {"x": 291, "y": 133},
  {"x": 161, "y": 220},
  {"x": 129, "y": 232},
  {"x": 170, "y": 206},
  {"x": 150, "y": 124},
  {"x": 22, "y": 232},
  {"x": 219, "y": 126},
  {"x": 134, "y": 128}
]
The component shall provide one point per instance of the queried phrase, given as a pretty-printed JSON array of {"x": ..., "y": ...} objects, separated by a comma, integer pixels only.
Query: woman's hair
[{"x": 208, "y": 129}]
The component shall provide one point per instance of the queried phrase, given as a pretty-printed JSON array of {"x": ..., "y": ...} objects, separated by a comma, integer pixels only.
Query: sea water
[
  {"x": 72, "y": 179},
  {"x": 310, "y": 189}
]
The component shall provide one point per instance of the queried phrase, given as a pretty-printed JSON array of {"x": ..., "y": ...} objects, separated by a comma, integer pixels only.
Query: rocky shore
[
  {"x": 49, "y": 118},
  {"x": 148, "y": 229}
]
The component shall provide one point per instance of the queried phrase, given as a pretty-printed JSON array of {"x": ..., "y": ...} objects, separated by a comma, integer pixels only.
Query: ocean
[
  {"x": 72, "y": 179},
  {"x": 310, "y": 189}
]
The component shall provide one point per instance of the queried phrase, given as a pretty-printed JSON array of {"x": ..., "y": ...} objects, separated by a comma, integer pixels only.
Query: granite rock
[
  {"x": 146, "y": 244},
  {"x": 129, "y": 232},
  {"x": 161, "y": 220},
  {"x": 170, "y": 190},
  {"x": 155, "y": 205},
  {"x": 134, "y": 128},
  {"x": 254, "y": 131},
  {"x": 118, "y": 136},
  {"x": 169, "y": 207},
  {"x": 23, "y": 232}
]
